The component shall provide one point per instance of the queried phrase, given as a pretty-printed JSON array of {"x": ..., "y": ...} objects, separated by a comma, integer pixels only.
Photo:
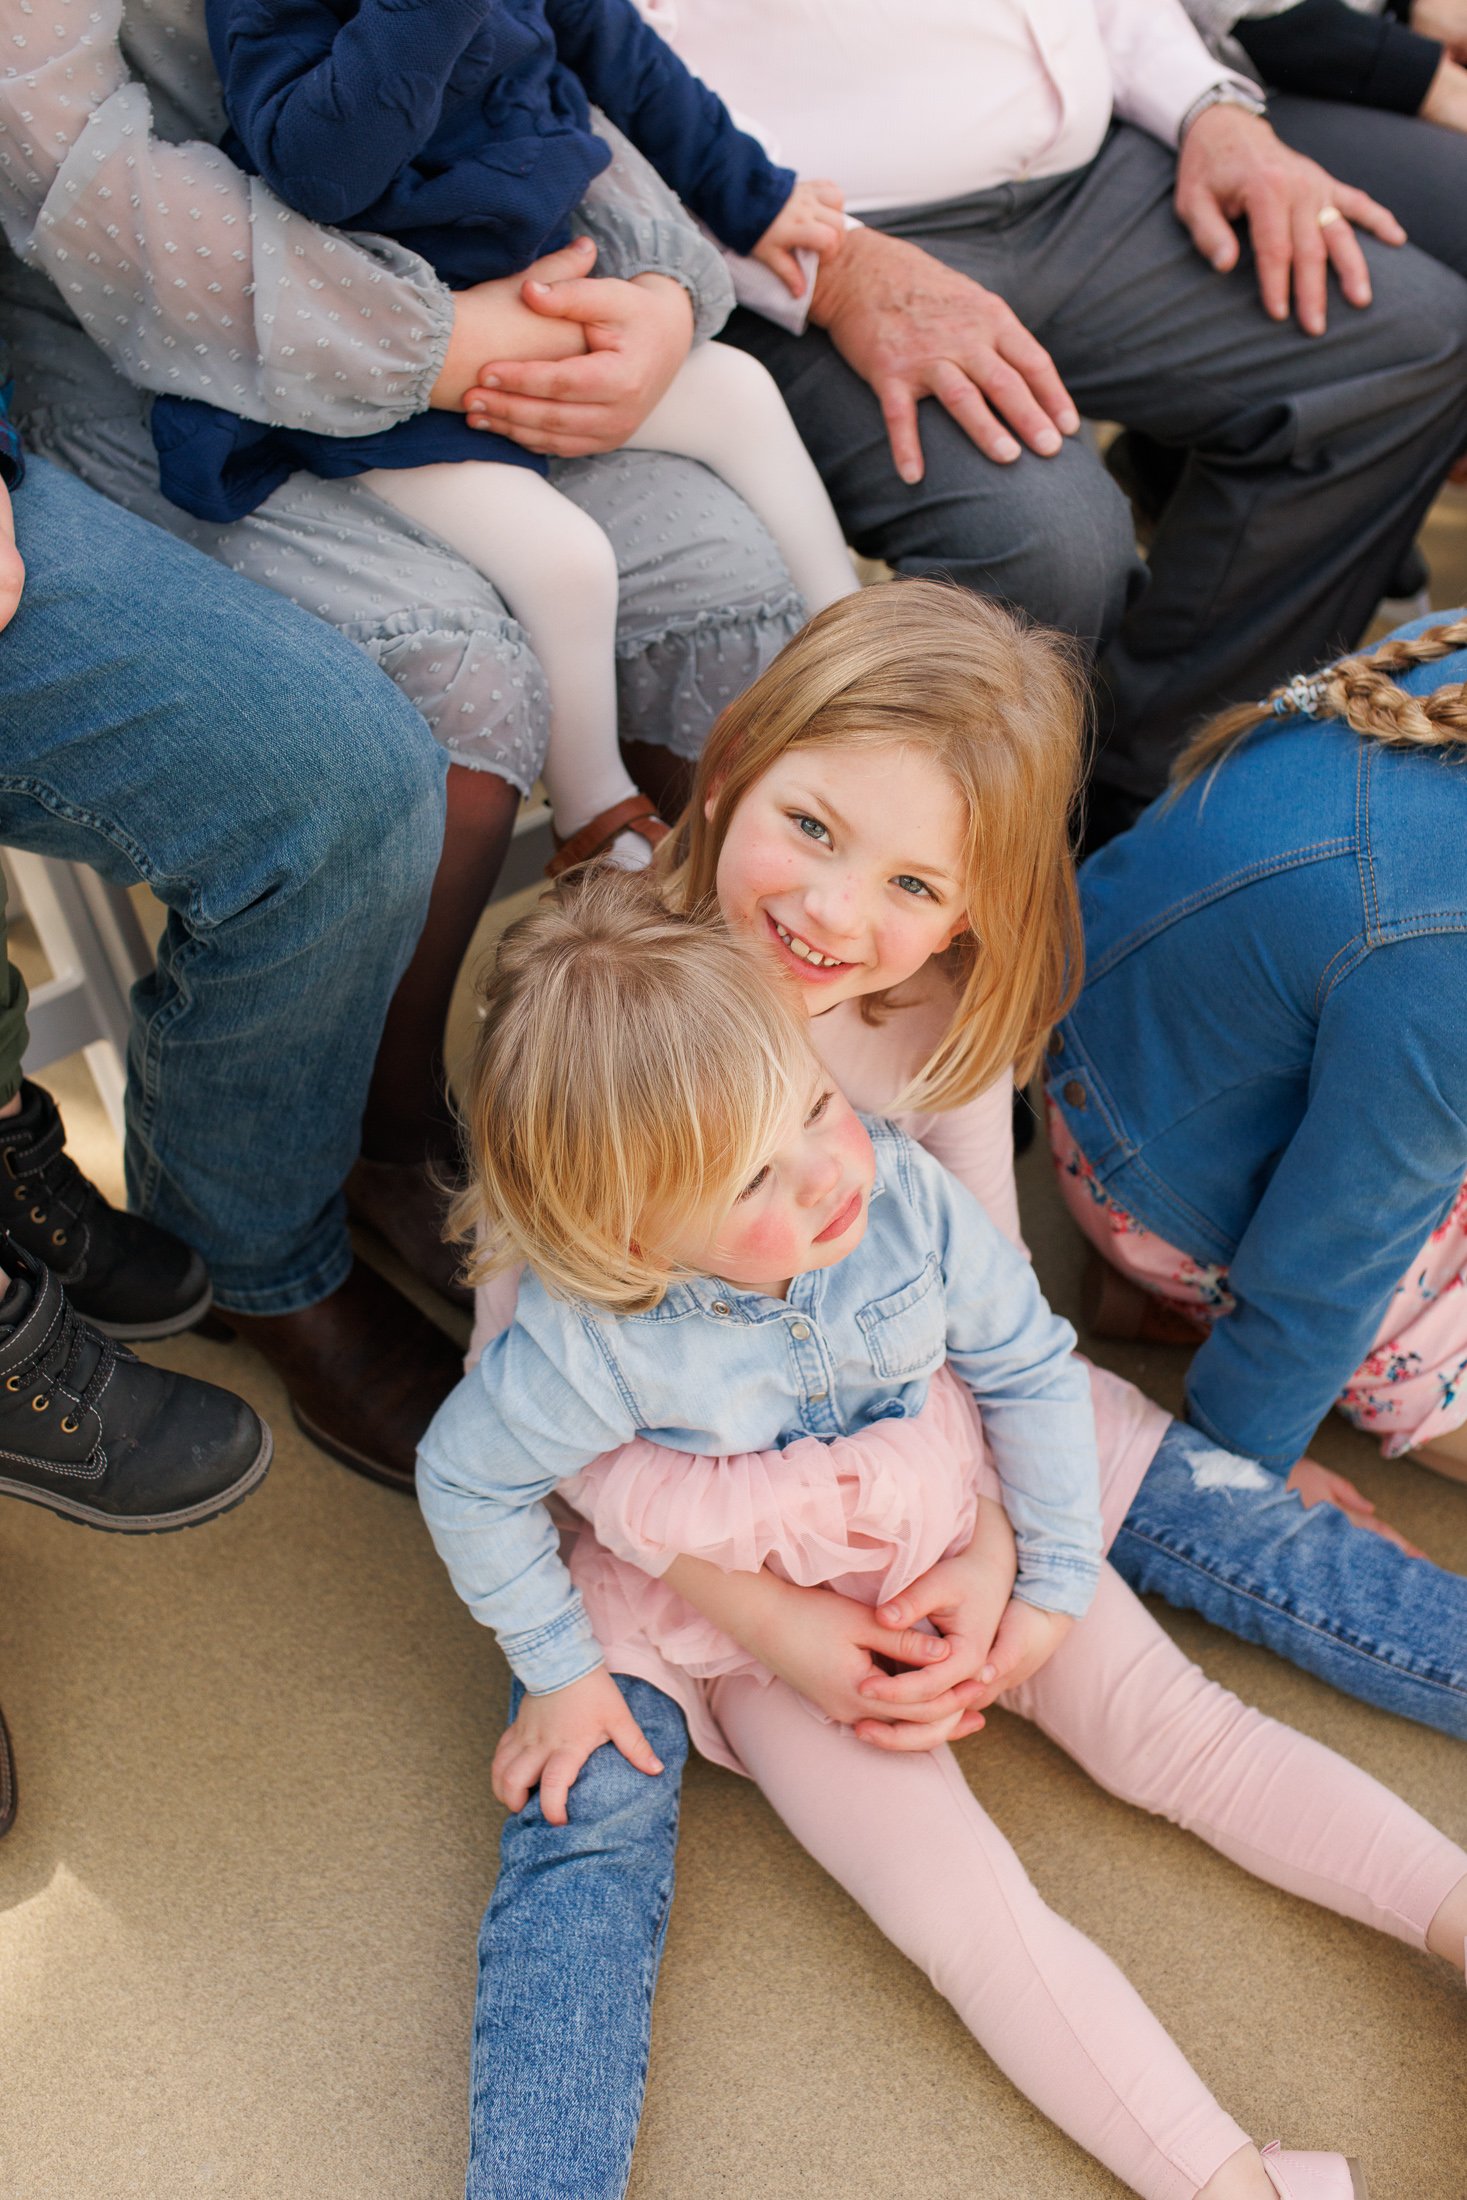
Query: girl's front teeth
[{"x": 806, "y": 954}]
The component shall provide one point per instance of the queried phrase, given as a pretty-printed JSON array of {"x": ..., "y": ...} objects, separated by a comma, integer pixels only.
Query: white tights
[
  {"x": 556, "y": 570},
  {"x": 907, "y": 1838}
]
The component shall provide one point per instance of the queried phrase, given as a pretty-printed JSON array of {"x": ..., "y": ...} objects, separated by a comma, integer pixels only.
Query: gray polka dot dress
[{"x": 141, "y": 260}]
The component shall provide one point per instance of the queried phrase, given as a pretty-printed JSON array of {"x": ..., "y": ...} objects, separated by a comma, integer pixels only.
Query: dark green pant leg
[{"x": 12, "y": 1017}]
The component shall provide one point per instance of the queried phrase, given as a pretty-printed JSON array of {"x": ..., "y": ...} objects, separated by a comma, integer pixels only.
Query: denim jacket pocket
[{"x": 906, "y": 1332}]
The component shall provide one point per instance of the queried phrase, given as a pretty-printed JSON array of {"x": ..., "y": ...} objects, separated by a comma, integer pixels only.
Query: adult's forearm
[{"x": 192, "y": 277}]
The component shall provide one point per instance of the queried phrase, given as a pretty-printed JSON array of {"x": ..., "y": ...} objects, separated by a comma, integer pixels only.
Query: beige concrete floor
[{"x": 237, "y": 1914}]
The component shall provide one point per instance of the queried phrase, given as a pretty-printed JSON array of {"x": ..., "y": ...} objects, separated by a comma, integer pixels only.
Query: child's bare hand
[
  {"x": 1027, "y": 1638},
  {"x": 826, "y": 1645},
  {"x": 554, "y": 1735},
  {"x": 812, "y": 219},
  {"x": 964, "y": 1597},
  {"x": 12, "y": 570}
]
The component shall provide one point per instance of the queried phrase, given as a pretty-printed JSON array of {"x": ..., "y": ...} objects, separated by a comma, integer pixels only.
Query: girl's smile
[{"x": 846, "y": 863}]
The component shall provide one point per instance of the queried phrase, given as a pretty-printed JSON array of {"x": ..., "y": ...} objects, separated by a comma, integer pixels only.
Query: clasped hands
[
  {"x": 897, "y": 1685},
  {"x": 567, "y": 364}
]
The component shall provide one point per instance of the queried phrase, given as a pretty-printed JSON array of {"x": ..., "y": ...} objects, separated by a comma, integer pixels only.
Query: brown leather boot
[
  {"x": 403, "y": 1202},
  {"x": 364, "y": 1370}
]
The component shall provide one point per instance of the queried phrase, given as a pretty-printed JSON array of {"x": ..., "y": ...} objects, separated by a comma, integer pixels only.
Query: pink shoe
[{"x": 1312, "y": 2176}]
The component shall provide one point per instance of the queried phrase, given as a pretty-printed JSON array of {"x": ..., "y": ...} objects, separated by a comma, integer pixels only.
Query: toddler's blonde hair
[
  {"x": 1362, "y": 691},
  {"x": 630, "y": 1075},
  {"x": 999, "y": 705}
]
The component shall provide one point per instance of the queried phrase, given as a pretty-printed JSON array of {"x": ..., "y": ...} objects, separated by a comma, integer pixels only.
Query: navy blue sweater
[{"x": 461, "y": 128}]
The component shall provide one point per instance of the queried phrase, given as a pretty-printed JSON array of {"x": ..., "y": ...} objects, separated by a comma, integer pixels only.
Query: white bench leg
[{"x": 90, "y": 936}]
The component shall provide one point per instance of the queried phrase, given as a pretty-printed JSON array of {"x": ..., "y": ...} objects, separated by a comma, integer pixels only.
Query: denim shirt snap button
[
  {"x": 1075, "y": 1093},
  {"x": 800, "y": 1330},
  {"x": 721, "y": 1306},
  {"x": 1056, "y": 1042}
]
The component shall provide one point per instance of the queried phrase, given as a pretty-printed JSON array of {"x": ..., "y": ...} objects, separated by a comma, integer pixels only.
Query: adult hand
[
  {"x": 1313, "y": 1484},
  {"x": 1233, "y": 168},
  {"x": 12, "y": 569},
  {"x": 493, "y": 320},
  {"x": 1443, "y": 19},
  {"x": 636, "y": 336},
  {"x": 912, "y": 328}
]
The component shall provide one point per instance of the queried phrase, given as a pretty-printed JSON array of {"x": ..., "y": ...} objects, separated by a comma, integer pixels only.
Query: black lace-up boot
[
  {"x": 128, "y": 1277},
  {"x": 93, "y": 1433}
]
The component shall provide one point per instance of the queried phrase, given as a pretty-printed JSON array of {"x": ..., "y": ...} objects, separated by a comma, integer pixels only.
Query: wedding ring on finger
[{"x": 1328, "y": 214}]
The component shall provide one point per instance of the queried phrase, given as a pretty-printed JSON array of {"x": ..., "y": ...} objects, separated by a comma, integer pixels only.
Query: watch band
[{"x": 1232, "y": 92}]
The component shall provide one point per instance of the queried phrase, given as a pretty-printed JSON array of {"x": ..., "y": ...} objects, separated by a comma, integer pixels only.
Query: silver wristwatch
[{"x": 1231, "y": 92}]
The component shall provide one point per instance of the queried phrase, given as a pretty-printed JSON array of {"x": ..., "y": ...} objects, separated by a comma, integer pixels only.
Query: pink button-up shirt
[{"x": 904, "y": 102}]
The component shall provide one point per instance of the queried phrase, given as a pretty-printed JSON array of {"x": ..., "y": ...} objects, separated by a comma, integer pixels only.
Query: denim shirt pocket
[{"x": 906, "y": 1332}]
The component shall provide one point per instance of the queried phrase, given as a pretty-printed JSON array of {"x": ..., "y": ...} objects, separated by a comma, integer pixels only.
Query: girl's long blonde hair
[
  {"x": 999, "y": 705},
  {"x": 628, "y": 1079},
  {"x": 1359, "y": 690}
]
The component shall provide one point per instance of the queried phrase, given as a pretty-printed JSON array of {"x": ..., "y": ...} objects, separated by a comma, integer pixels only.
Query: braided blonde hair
[{"x": 1360, "y": 690}]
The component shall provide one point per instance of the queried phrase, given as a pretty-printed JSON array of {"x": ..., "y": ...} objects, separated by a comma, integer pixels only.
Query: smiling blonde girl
[{"x": 723, "y": 1256}]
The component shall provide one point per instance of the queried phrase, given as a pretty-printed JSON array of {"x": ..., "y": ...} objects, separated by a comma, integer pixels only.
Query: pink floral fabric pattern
[{"x": 1412, "y": 1384}]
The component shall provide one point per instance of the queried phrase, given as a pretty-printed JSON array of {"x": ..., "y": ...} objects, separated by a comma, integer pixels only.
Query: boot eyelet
[
  {"x": 12, "y": 1382},
  {"x": 69, "y": 1425},
  {"x": 22, "y": 1191},
  {"x": 37, "y": 1215},
  {"x": 40, "y": 1402},
  {"x": 58, "y": 1237}
]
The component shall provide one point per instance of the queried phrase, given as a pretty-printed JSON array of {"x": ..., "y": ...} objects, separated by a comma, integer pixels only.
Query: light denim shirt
[{"x": 714, "y": 1369}]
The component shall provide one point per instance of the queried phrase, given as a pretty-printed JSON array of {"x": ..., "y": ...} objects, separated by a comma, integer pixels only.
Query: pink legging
[{"x": 905, "y": 1836}]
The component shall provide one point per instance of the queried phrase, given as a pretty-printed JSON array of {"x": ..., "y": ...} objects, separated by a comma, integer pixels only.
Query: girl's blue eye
[
  {"x": 811, "y": 827},
  {"x": 913, "y": 886},
  {"x": 753, "y": 1183}
]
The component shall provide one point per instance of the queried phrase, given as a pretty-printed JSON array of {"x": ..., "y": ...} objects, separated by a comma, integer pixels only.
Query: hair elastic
[{"x": 1301, "y": 698}]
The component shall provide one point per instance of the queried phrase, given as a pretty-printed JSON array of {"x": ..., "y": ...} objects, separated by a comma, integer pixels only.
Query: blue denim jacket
[
  {"x": 713, "y": 1369},
  {"x": 1268, "y": 1063}
]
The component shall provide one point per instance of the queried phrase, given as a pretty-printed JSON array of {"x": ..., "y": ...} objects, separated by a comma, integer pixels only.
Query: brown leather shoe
[
  {"x": 7, "y": 1782},
  {"x": 364, "y": 1370},
  {"x": 404, "y": 1204}
]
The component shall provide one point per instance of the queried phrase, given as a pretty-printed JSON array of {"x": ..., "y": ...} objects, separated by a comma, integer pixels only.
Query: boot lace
[{"x": 45, "y": 1167}]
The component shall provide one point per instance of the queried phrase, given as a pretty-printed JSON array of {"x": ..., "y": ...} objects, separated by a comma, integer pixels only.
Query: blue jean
[
  {"x": 568, "y": 1957},
  {"x": 162, "y": 719},
  {"x": 1217, "y": 1534}
]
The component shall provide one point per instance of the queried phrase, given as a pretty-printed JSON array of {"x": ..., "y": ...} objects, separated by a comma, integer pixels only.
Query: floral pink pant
[{"x": 1412, "y": 1384}]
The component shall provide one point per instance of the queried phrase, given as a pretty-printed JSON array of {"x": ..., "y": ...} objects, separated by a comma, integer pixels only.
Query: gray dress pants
[{"x": 1309, "y": 461}]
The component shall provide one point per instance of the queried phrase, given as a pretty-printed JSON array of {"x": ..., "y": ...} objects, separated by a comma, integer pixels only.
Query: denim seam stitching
[{"x": 1374, "y": 1655}]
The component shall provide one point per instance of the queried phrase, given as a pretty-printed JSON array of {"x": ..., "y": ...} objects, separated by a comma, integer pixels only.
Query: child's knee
[
  {"x": 577, "y": 554},
  {"x": 740, "y": 387}
]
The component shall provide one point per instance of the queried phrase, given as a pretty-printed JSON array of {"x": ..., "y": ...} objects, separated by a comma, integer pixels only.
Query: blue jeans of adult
[
  {"x": 571, "y": 1942},
  {"x": 162, "y": 719}
]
